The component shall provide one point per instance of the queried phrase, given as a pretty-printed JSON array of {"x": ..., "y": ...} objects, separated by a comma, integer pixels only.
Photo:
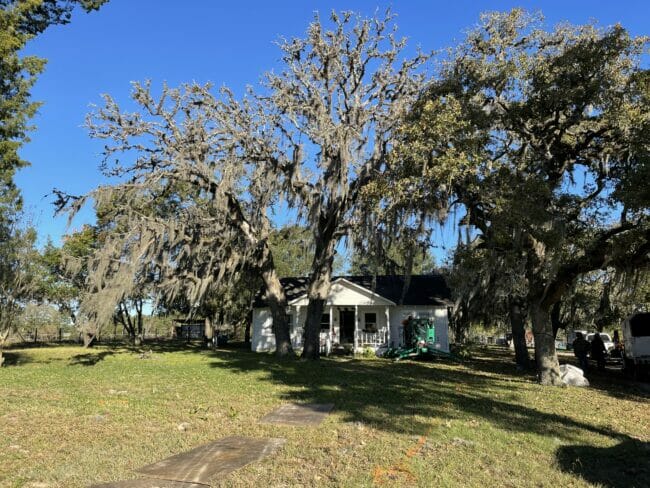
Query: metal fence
[{"x": 61, "y": 336}]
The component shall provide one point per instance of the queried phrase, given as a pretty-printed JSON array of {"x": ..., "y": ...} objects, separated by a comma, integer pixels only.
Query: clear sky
[{"x": 224, "y": 42}]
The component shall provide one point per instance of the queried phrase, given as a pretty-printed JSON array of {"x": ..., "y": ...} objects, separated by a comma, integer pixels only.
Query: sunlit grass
[{"x": 70, "y": 417}]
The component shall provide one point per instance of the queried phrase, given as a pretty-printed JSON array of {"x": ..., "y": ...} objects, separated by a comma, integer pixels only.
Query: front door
[{"x": 346, "y": 319}]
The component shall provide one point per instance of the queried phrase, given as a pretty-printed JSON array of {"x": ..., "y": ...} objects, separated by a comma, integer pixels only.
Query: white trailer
[{"x": 636, "y": 340}]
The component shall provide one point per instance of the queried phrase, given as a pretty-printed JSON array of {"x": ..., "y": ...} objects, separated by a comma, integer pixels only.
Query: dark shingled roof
[{"x": 423, "y": 289}]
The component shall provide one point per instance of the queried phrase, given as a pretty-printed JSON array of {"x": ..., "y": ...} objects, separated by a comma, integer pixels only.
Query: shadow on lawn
[
  {"x": 12, "y": 358},
  {"x": 101, "y": 352},
  {"x": 90, "y": 359},
  {"x": 159, "y": 346},
  {"x": 391, "y": 396},
  {"x": 616, "y": 385},
  {"x": 626, "y": 464},
  {"x": 612, "y": 381}
]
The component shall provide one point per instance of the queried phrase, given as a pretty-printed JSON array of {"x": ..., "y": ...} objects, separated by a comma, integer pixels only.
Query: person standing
[
  {"x": 580, "y": 350},
  {"x": 598, "y": 351}
]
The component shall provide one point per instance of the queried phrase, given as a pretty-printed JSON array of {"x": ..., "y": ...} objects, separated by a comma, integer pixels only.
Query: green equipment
[{"x": 419, "y": 341}]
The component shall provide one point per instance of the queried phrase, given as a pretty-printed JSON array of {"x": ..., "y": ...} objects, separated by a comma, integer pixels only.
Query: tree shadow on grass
[
  {"x": 14, "y": 358},
  {"x": 612, "y": 382},
  {"x": 616, "y": 385},
  {"x": 410, "y": 397},
  {"x": 90, "y": 359},
  {"x": 396, "y": 397},
  {"x": 624, "y": 465},
  {"x": 18, "y": 354},
  {"x": 146, "y": 350},
  {"x": 158, "y": 346}
]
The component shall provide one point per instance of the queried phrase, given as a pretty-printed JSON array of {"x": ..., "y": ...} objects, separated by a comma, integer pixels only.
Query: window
[
  {"x": 325, "y": 321},
  {"x": 640, "y": 325},
  {"x": 370, "y": 322}
]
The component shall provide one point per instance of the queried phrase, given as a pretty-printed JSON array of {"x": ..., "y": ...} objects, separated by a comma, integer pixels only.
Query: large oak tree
[
  {"x": 546, "y": 147},
  {"x": 186, "y": 210},
  {"x": 333, "y": 109}
]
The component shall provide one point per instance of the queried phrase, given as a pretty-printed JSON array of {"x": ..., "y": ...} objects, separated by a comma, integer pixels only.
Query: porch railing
[
  {"x": 372, "y": 338},
  {"x": 363, "y": 339}
]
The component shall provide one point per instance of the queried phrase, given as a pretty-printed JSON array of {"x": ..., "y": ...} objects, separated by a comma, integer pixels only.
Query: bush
[
  {"x": 460, "y": 350},
  {"x": 367, "y": 353}
]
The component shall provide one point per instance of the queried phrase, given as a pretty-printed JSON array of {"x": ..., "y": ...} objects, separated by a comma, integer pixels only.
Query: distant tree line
[{"x": 20, "y": 21}]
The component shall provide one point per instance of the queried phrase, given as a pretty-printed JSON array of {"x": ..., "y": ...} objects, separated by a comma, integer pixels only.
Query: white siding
[
  {"x": 345, "y": 295},
  {"x": 262, "y": 338}
]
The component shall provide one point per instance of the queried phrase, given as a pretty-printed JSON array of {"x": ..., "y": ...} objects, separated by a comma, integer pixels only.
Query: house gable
[
  {"x": 419, "y": 290},
  {"x": 345, "y": 293}
]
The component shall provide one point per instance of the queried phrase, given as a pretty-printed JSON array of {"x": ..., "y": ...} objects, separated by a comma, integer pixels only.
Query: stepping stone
[
  {"x": 217, "y": 458},
  {"x": 148, "y": 483},
  {"x": 298, "y": 414}
]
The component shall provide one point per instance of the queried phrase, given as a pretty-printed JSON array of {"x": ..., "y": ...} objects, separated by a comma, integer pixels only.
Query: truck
[{"x": 636, "y": 343}]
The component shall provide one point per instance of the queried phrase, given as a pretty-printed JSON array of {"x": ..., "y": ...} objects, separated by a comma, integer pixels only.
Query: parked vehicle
[{"x": 636, "y": 341}]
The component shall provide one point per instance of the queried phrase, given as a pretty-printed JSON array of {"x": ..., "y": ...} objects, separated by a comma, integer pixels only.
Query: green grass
[{"x": 70, "y": 417}]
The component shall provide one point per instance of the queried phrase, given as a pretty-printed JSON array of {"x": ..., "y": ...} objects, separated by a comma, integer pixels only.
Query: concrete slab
[
  {"x": 298, "y": 414},
  {"x": 148, "y": 483},
  {"x": 217, "y": 458}
]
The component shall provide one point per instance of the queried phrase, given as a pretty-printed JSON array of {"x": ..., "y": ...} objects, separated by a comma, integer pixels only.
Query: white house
[{"x": 361, "y": 311}]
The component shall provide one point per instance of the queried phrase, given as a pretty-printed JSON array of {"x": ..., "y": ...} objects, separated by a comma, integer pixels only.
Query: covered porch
[{"x": 353, "y": 319}]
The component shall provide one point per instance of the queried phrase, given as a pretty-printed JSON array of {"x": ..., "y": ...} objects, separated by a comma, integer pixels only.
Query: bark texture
[
  {"x": 517, "y": 323},
  {"x": 548, "y": 366}
]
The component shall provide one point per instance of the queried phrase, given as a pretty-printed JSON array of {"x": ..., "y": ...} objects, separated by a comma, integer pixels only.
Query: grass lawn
[{"x": 70, "y": 417}]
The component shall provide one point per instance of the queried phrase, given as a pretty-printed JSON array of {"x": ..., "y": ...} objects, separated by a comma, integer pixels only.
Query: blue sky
[{"x": 224, "y": 42}]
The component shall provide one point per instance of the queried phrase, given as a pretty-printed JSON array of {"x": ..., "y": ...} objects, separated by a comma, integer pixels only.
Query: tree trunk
[
  {"x": 517, "y": 323},
  {"x": 319, "y": 286},
  {"x": 89, "y": 338},
  {"x": 139, "y": 338},
  {"x": 459, "y": 322},
  {"x": 548, "y": 367},
  {"x": 556, "y": 321},
  {"x": 3, "y": 339},
  {"x": 275, "y": 295},
  {"x": 247, "y": 330},
  {"x": 277, "y": 301},
  {"x": 311, "y": 347},
  {"x": 123, "y": 317},
  {"x": 208, "y": 331}
]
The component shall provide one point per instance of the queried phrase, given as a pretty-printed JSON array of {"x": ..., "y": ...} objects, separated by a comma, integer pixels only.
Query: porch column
[
  {"x": 356, "y": 326},
  {"x": 295, "y": 328},
  {"x": 388, "y": 325},
  {"x": 208, "y": 330},
  {"x": 331, "y": 324}
]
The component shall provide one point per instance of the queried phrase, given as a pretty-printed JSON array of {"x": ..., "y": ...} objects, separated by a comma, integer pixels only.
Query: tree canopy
[
  {"x": 551, "y": 126},
  {"x": 539, "y": 136}
]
